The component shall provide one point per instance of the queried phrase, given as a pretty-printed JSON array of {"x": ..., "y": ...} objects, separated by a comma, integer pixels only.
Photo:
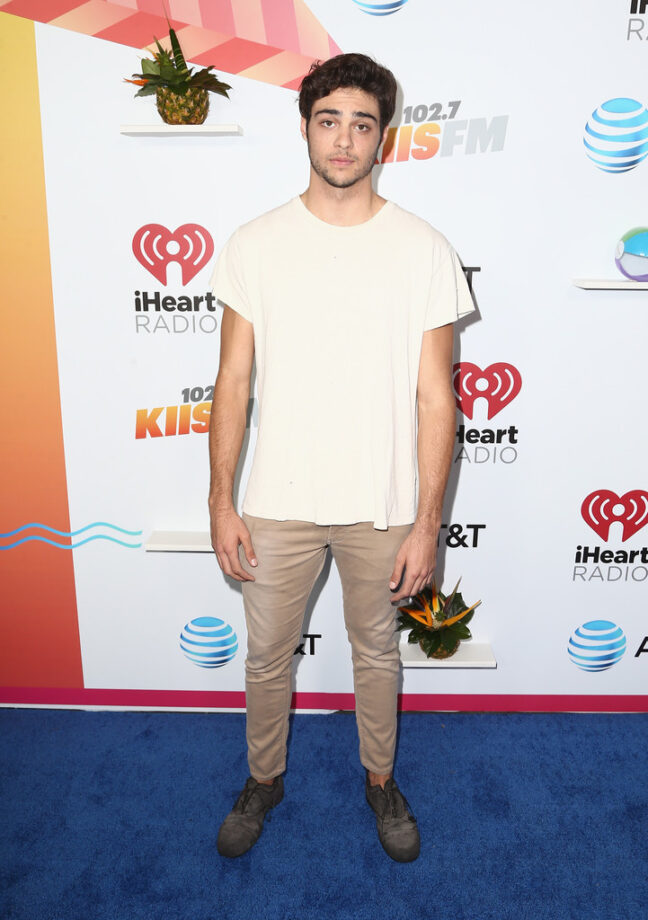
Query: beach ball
[
  {"x": 631, "y": 255},
  {"x": 616, "y": 135},
  {"x": 597, "y": 645},
  {"x": 208, "y": 642}
]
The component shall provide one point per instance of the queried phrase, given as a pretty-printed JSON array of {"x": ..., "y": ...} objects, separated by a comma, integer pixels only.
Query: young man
[{"x": 348, "y": 303}]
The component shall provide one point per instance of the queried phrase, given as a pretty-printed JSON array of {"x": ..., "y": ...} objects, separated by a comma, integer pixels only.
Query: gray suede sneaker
[
  {"x": 397, "y": 828},
  {"x": 243, "y": 825}
]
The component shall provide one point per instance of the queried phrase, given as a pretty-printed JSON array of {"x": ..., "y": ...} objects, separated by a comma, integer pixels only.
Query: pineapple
[
  {"x": 181, "y": 95},
  {"x": 438, "y": 623},
  {"x": 189, "y": 108}
]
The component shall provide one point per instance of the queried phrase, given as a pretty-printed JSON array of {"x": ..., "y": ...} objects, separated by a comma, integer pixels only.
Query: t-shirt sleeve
[
  {"x": 449, "y": 295},
  {"x": 228, "y": 278}
]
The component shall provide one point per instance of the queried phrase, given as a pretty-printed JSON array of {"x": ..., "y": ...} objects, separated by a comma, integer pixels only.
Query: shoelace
[
  {"x": 249, "y": 790},
  {"x": 391, "y": 799}
]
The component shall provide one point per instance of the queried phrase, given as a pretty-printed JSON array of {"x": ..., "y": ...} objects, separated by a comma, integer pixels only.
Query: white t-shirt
[{"x": 338, "y": 315}]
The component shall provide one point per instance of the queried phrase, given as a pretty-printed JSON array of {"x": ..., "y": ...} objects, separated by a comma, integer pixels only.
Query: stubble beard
[{"x": 324, "y": 173}]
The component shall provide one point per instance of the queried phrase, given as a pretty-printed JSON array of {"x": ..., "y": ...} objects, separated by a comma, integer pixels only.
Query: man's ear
[
  {"x": 304, "y": 124},
  {"x": 384, "y": 134}
]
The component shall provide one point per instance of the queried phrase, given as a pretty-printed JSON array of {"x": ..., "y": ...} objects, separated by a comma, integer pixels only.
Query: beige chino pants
[{"x": 290, "y": 556}]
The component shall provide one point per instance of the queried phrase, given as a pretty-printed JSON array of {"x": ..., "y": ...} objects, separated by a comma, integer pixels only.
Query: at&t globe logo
[
  {"x": 597, "y": 645},
  {"x": 616, "y": 135},
  {"x": 208, "y": 642},
  {"x": 380, "y": 7}
]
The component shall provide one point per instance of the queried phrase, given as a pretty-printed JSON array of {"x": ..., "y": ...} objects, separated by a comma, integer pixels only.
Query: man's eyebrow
[{"x": 353, "y": 114}]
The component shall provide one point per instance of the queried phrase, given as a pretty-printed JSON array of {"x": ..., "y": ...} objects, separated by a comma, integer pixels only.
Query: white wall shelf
[
  {"x": 178, "y": 541},
  {"x": 164, "y": 130},
  {"x": 607, "y": 285},
  {"x": 470, "y": 654}
]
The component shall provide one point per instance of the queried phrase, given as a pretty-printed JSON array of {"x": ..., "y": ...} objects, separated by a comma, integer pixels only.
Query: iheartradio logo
[
  {"x": 498, "y": 384},
  {"x": 602, "y": 507},
  {"x": 191, "y": 246}
]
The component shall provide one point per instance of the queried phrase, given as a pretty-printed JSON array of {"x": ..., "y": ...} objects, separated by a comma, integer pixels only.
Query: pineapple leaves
[
  {"x": 169, "y": 69},
  {"x": 178, "y": 56},
  {"x": 150, "y": 67}
]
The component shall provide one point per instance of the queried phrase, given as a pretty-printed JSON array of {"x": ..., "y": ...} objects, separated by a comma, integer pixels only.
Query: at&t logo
[
  {"x": 208, "y": 642},
  {"x": 616, "y": 135},
  {"x": 191, "y": 247},
  {"x": 497, "y": 386},
  {"x": 596, "y": 645},
  {"x": 380, "y": 7},
  {"x": 602, "y": 510}
]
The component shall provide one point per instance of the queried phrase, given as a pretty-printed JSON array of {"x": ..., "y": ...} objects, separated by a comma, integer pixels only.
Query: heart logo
[
  {"x": 602, "y": 507},
  {"x": 191, "y": 246},
  {"x": 498, "y": 384}
]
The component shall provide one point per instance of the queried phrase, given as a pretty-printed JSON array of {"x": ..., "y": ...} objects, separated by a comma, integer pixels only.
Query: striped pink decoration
[{"x": 274, "y": 41}]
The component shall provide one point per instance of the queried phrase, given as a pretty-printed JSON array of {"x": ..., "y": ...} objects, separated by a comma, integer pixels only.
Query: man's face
[{"x": 343, "y": 136}]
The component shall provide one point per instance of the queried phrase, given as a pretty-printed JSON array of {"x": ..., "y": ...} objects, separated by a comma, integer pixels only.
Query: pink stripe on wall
[
  {"x": 186, "y": 10},
  {"x": 138, "y": 30},
  {"x": 280, "y": 69},
  {"x": 281, "y": 24},
  {"x": 334, "y": 48},
  {"x": 195, "y": 41},
  {"x": 313, "y": 39},
  {"x": 92, "y": 17},
  {"x": 218, "y": 15},
  {"x": 235, "y": 699},
  {"x": 248, "y": 20},
  {"x": 236, "y": 55},
  {"x": 40, "y": 10}
]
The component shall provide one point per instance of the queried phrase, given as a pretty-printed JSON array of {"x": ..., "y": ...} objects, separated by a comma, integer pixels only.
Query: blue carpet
[{"x": 114, "y": 816}]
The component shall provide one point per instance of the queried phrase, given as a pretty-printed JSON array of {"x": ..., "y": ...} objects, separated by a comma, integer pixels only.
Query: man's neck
[{"x": 343, "y": 207}]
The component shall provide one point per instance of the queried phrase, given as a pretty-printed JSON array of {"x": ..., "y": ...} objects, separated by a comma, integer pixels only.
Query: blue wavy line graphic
[
  {"x": 70, "y": 533},
  {"x": 73, "y": 533}
]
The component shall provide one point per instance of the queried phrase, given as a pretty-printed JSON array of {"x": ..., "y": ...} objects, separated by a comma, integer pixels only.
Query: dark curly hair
[{"x": 349, "y": 71}]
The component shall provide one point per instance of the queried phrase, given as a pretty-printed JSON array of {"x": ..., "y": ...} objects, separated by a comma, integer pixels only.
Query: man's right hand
[{"x": 227, "y": 531}]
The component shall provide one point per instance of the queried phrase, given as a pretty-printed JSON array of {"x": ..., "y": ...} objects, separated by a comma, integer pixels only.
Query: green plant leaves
[
  {"x": 150, "y": 67},
  {"x": 205, "y": 80},
  {"x": 170, "y": 70},
  {"x": 448, "y": 638},
  {"x": 178, "y": 56},
  {"x": 460, "y": 631},
  {"x": 431, "y": 642}
]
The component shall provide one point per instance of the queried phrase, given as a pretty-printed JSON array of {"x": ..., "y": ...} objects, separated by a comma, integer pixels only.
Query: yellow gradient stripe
[{"x": 38, "y": 615}]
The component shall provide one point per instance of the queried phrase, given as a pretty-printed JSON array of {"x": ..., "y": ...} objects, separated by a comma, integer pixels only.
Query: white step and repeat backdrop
[{"x": 546, "y": 518}]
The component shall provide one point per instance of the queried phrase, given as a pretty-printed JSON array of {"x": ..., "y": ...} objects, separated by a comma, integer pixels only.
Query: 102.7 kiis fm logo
[
  {"x": 190, "y": 416},
  {"x": 156, "y": 248},
  {"x": 428, "y": 129},
  {"x": 496, "y": 386},
  {"x": 608, "y": 513}
]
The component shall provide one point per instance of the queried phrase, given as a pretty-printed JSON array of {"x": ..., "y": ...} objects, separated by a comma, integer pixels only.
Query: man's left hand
[{"x": 416, "y": 558}]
